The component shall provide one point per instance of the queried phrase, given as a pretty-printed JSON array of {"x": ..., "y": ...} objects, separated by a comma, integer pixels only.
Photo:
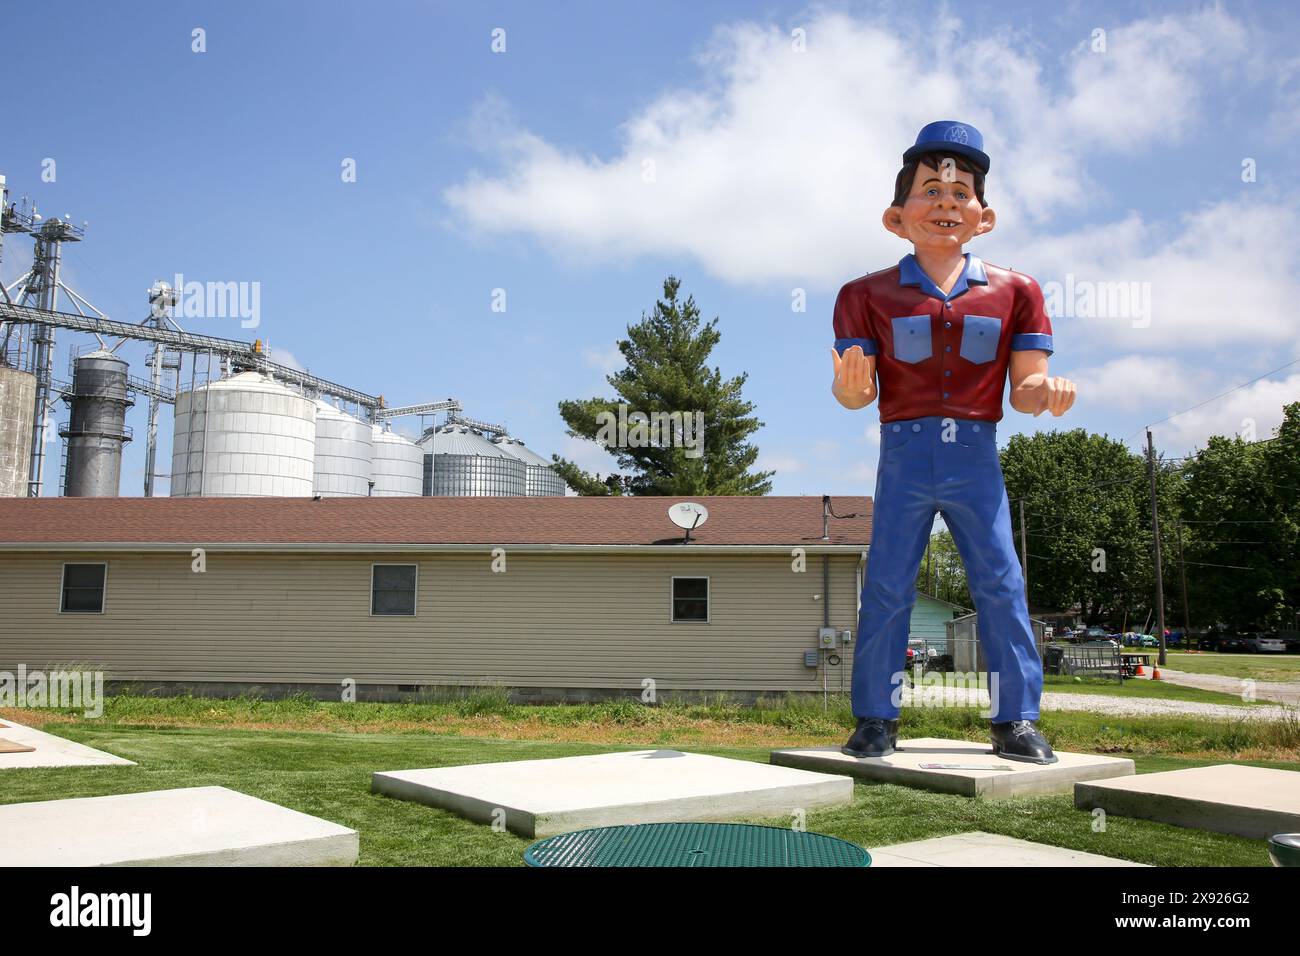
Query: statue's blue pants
[{"x": 948, "y": 465}]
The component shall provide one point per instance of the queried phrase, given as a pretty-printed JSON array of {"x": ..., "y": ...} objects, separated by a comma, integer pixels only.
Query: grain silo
[
  {"x": 244, "y": 436},
  {"x": 17, "y": 400},
  {"x": 459, "y": 461},
  {"x": 343, "y": 454},
  {"x": 540, "y": 480},
  {"x": 397, "y": 465},
  {"x": 96, "y": 428}
]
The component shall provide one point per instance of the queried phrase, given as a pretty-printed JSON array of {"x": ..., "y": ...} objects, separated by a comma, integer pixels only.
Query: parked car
[
  {"x": 1095, "y": 632},
  {"x": 1208, "y": 640},
  {"x": 1262, "y": 643},
  {"x": 1231, "y": 642},
  {"x": 1102, "y": 642}
]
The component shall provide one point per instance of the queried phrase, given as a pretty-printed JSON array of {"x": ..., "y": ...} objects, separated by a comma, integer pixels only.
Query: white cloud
[
  {"x": 286, "y": 358},
  {"x": 1147, "y": 64},
  {"x": 1138, "y": 381},
  {"x": 1218, "y": 277},
  {"x": 1255, "y": 409},
  {"x": 776, "y": 165},
  {"x": 781, "y": 464},
  {"x": 608, "y": 360}
]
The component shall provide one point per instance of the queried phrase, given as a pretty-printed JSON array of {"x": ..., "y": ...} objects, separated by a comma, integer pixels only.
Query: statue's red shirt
[{"x": 942, "y": 355}]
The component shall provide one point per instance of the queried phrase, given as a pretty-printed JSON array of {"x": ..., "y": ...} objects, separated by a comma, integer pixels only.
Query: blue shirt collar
[{"x": 911, "y": 273}]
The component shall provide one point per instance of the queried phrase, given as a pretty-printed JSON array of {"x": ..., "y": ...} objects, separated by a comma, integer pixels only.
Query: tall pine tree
[{"x": 666, "y": 375}]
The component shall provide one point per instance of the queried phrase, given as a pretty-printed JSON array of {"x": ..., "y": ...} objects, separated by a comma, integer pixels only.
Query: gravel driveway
[
  {"x": 1150, "y": 706},
  {"x": 1283, "y": 693},
  {"x": 1120, "y": 706}
]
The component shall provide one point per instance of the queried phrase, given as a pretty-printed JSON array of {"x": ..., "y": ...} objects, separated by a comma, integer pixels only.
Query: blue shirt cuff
[
  {"x": 868, "y": 345},
  {"x": 1023, "y": 341}
]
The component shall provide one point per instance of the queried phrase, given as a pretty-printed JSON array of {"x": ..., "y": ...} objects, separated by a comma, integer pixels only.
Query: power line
[
  {"x": 1115, "y": 481},
  {"x": 1216, "y": 397},
  {"x": 1250, "y": 444},
  {"x": 1232, "y": 521},
  {"x": 1196, "y": 541}
]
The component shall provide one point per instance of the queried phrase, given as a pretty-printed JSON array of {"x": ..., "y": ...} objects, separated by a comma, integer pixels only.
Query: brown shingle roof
[{"x": 737, "y": 520}]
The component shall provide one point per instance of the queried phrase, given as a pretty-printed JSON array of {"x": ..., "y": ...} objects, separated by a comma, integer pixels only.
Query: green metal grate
[{"x": 694, "y": 844}]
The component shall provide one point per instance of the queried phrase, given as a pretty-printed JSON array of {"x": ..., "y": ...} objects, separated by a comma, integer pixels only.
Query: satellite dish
[{"x": 688, "y": 515}]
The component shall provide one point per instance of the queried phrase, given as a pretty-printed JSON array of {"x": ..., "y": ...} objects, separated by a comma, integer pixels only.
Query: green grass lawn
[
  {"x": 326, "y": 772},
  {"x": 1263, "y": 667},
  {"x": 328, "y": 775}
]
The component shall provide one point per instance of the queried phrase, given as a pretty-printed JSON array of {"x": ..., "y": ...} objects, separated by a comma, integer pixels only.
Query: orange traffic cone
[
  {"x": 1155, "y": 674},
  {"x": 1140, "y": 672}
]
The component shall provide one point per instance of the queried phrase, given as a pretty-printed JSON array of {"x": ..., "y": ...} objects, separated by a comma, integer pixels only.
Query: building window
[
  {"x": 83, "y": 588},
  {"x": 691, "y": 599},
  {"x": 392, "y": 589}
]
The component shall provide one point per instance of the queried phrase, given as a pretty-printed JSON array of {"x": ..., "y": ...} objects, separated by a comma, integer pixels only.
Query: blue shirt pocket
[
  {"x": 911, "y": 338},
  {"x": 980, "y": 335}
]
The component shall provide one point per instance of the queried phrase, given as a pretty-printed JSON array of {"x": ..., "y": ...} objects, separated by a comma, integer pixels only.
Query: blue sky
[{"x": 1113, "y": 162}]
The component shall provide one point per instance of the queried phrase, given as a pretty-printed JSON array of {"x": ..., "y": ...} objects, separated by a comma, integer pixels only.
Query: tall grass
[{"x": 488, "y": 709}]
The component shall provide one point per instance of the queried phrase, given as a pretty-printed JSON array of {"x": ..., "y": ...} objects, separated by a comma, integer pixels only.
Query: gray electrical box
[
  {"x": 847, "y": 636},
  {"x": 826, "y": 638}
]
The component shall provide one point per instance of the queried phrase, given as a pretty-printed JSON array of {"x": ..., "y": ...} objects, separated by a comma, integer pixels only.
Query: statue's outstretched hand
[
  {"x": 855, "y": 377},
  {"x": 1057, "y": 395}
]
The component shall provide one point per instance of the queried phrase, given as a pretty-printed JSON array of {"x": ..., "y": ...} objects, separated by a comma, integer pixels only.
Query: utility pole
[
  {"x": 1024, "y": 552},
  {"x": 928, "y": 589},
  {"x": 1155, "y": 531},
  {"x": 1182, "y": 577}
]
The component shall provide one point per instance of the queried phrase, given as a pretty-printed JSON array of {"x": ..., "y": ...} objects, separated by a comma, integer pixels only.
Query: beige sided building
[{"x": 585, "y": 598}]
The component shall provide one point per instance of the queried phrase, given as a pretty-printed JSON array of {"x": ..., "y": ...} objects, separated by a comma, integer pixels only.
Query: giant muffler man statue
[{"x": 933, "y": 338}]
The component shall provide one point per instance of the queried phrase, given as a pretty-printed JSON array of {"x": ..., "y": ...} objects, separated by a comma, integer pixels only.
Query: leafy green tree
[
  {"x": 942, "y": 573},
  {"x": 666, "y": 375},
  {"x": 1282, "y": 463},
  {"x": 1241, "y": 519},
  {"x": 1088, "y": 523}
]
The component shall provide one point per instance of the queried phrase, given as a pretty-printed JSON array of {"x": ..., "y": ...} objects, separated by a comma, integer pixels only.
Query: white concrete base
[
  {"x": 196, "y": 826},
  {"x": 1005, "y": 778},
  {"x": 986, "y": 849},
  {"x": 52, "y": 751},
  {"x": 1254, "y": 802},
  {"x": 539, "y": 798}
]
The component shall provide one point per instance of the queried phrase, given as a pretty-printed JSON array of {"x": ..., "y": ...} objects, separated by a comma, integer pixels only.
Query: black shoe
[
  {"x": 1021, "y": 740},
  {"x": 874, "y": 737}
]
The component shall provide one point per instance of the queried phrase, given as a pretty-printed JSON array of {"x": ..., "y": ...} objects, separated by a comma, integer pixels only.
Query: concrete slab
[
  {"x": 51, "y": 751},
  {"x": 196, "y": 826},
  {"x": 1252, "y": 802},
  {"x": 986, "y": 849},
  {"x": 540, "y": 798},
  {"x": 1004, "y": 778}
]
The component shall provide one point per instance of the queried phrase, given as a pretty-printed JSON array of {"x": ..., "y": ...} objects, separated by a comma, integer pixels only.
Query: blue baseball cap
[{"x": 949, "y": 136}]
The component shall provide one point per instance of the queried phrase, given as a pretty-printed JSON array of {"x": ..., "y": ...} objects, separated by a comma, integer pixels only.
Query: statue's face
[{"x": 941, "y": 213}]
